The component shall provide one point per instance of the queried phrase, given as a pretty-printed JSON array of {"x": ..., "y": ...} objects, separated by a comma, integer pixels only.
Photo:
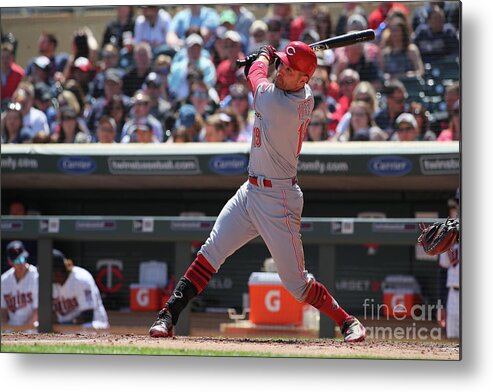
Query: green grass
[{"x": 122, "y": 350}]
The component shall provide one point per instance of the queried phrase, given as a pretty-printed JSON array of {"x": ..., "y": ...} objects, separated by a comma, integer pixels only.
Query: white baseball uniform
[
  {"x": 270, "y": 203},
  {"x": 20, "y": 298},
  {"x": 77, "y": 294},
  {"x": 450, "y": 260}
]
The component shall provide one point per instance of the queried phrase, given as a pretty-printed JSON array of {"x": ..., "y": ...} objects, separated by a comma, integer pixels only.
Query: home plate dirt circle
[{"x": 441, "y": 350}]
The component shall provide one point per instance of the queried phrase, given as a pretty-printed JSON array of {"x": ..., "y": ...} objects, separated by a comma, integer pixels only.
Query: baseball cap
[
  {"x": 407, "y": 118},
  {"x": 186, "y": 116},
  {"x": 228, "y": 16},
  {"x": 274, "y": 24},
  {"x": 109, "y": 50},
  {"x": 194, "y": 39},
  {"x": 325, "y": 58},
  {"x": 357, "y": 22},
  {"x": 232, "y": 35},
  {"x": 310, "y": 35},
  {"x": 42, "y": 62},
  {"x": 258, "y": 25},
  {"x": 140, "y": 96},
  {"x": 107, "y": 120},
  {"x": 113, "y": 75},
  {"x": 299, "y": 56},
  {"x": 225, "y": 117},
  {"x": 16, "y": 252},
  {"x": 42, "y": 92},
  {"x": 143, "y": 126},
  {"x": 153, "y": 78},
  {"x": 58, "y": 261},
  {"x": 83, "y": 64},
  {"x": 8, "y": 47}
]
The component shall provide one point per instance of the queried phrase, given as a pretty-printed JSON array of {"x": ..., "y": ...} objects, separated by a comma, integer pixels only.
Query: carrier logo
[
  {"x": 390, "y": 166},
  {"x": 439, "y": 164},
  {"x": 228, "y": 164},
  {"x": 77, "y": 165}
]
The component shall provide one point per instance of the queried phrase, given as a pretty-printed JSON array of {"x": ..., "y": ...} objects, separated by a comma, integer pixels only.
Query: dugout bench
[{"x": 326, "y": 233}]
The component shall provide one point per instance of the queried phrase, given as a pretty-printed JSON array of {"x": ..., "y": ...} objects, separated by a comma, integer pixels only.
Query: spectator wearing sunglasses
[
  {"x": 106, "y": 130},
  {"x": 317, "y": 127},
  {"x": 240, "y": 101},
  {"x": 161, "y": 66},
  {"x": 347, "y": 80},
  {"x": 362, "y": 127},
  {"x": 12, "y": 128},
  {"x": 160, "y": 107},
  {"x": 70, "y": 129},
  {"x": 181, "y": 68},
  {"x": 395, "y": 103},
  {"x": 365, "y": 92},
  {"x": 34, "y": 120},
  {"x": 117, "y": 110},
  {"x": 141, "y": 114},
  {"x": 406, "y": 128},
  {"x": 199, "y": 98}
]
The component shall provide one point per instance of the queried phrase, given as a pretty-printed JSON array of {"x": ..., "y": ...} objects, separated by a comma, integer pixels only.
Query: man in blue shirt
[
  {"x": 193, "y": 15},
  {"x": 178, "y": 84}
]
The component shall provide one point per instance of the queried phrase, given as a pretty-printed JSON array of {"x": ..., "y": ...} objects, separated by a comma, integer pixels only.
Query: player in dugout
[
  {"x": 76, "y": 298},
  {"x": 270, "y": 202},
  {"x": 19, "y": 288}
]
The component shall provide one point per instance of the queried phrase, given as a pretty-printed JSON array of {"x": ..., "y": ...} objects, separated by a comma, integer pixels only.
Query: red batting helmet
[{"x": 299, "y": 56}]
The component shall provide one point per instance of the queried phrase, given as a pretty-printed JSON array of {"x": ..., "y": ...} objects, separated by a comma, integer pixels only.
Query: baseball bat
[
  {"x": 336, "y": 42},
  {"x": 344, "y": 40}
]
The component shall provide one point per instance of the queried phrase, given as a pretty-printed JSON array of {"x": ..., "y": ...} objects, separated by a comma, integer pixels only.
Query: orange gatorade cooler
[
  {"x": 145, "y": 297},
  {"x": 271, "y": 303},
  {"x": 400, "y": 294}
]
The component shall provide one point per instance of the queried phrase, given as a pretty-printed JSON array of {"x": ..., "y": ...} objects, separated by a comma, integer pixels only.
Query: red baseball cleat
[
  {"x": 353, "y": 331},
  {"x": 163, "y": 326}
]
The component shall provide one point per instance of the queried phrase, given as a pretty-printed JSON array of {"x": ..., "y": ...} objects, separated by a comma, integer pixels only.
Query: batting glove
[
  {"x": 249, "y": 61},
  {"x": 269, "y": 52}
]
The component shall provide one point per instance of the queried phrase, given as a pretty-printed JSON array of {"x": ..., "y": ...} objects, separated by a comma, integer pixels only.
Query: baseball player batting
[{"x": 270, "y": 202}]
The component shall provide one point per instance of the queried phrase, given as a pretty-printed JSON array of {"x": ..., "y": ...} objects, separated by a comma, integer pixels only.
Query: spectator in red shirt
[
  {"x": 348, "y": 79},
  {"x": 380, "y": 14},
  {"x": 303, "y": 22},
  {"x": 226, "y": 69},
  {"x": 12, "y": 73}
]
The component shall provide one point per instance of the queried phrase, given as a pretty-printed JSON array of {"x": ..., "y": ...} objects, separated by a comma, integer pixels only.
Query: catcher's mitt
[{"x": 439, "y": 237}]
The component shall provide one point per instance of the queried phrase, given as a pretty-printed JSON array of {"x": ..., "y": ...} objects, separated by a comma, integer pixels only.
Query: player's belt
[
  {"x": 455, "y": 288},
  {"x": 267, "y": 183}
]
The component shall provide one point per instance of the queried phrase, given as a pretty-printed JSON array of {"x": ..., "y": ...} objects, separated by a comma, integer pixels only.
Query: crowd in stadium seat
[{"x": 159, "y": 77}]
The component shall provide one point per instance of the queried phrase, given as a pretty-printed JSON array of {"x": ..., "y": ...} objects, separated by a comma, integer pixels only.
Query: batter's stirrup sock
[
  {"x": 319, "y": 297},
  {"x": 199, "y": 273},
  {"x": 183, "y": 293}
]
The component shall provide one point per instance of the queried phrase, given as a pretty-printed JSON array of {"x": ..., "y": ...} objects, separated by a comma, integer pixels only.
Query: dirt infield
[{"x": 442, "y": 350}]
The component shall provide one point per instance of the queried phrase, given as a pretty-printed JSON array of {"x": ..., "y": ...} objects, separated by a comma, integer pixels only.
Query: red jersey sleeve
[{"x": 257, "y": 75}]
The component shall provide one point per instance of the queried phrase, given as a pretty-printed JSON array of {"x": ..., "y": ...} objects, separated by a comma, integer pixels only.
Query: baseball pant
[{"x": 274, "y": 214}]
